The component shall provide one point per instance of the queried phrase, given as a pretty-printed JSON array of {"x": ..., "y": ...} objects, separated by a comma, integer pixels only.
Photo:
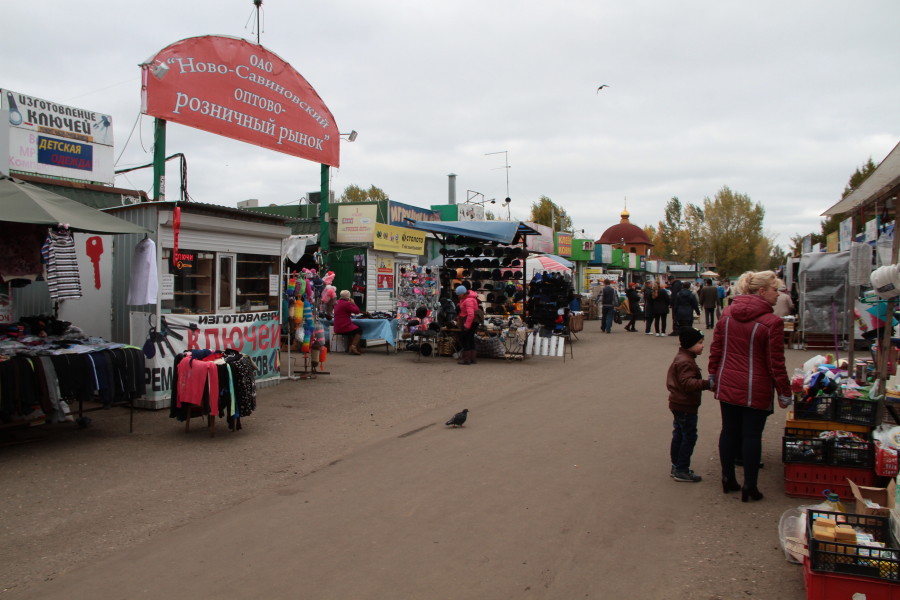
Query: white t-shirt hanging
[{"x": 144, "y": 284}]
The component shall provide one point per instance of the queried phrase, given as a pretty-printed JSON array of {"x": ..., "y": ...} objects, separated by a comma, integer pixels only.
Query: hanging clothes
[
  {"x": 144, "y": 284},
  {"x": 61, "y": 262}
]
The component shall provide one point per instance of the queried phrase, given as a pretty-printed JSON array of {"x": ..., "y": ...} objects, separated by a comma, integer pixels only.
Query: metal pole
[
  {"x": 159, "y": 160},
  {"x": 325, "y": 217}
]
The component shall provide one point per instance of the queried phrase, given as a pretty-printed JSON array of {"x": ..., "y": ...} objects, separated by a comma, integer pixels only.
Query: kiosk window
[{"x": 192, "y": 272}]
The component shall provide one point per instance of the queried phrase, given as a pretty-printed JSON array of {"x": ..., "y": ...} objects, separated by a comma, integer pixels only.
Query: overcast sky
[{"x": 779, "y": 100}]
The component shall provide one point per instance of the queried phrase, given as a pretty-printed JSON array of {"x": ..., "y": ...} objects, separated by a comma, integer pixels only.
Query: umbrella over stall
[{"x": 21, "y": 202}]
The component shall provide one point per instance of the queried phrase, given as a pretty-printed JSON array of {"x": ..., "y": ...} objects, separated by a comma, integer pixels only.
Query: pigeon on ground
[
  {"x": 458, "y": 419},
  {"x": 601, "y": 87}
]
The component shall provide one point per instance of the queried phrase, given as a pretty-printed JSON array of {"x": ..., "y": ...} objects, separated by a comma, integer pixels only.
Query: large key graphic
[{"x": 94, "y": 249}]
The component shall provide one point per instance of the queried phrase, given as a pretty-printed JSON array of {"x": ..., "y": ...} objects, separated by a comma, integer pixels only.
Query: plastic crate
[
  {"x": 811, "y": 481},
  {"x": 886, "y": 463},
  {"x": 830, "y": 586},
  {"x": 853, "y": 559},
  {"x": 824, "y": 425},
  {"x": 803, "y": 446},
  {"x": 858, "y": 411},
  {"x": 818, "y": 408},
  {"x": 851, "y": 453}
]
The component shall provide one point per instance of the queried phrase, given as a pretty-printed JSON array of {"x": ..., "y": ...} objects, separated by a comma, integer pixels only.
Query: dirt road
[{"x": 349, "y": 486}]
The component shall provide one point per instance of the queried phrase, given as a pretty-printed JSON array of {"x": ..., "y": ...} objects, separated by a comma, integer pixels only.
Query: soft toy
[
  {"x": 329, "y": 293},
  {"x": 329, "y": 277}
]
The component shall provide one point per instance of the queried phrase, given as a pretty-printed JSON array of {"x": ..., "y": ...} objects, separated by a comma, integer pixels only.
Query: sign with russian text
[
  {"x": 399, "y": 239},
  {"x": 258, "y": 335},
  {"x": 564, "y": 244},
  {"x": 356, "y": 223},
  {"x": 398, "y": 213},
  {"x": 237, "y": 89},
  {"x": 52, "y": 139}
]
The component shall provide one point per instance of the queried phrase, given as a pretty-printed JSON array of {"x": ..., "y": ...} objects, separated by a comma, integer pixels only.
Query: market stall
[
  {"x": 50, "y": 364},
  {"x": 522, "y": 317},
  {"x": 209, "y": 279}
]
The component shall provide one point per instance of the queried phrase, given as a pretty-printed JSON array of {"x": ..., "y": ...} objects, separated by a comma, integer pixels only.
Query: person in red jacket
[
  {"x": 468, "y": 304},
  {"x": 344, "y": 325},
  {"x": 746, "y": 370}
]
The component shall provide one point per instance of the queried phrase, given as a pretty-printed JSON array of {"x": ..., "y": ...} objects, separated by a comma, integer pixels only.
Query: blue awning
[{"x": 504, "y": 232}]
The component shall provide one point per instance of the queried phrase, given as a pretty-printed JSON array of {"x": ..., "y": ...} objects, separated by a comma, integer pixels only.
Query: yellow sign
[
  {"x": 399, "y": 239},
  {"x": 831, "y": 241}
]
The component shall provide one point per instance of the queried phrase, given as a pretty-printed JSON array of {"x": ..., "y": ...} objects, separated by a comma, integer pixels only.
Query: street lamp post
[{"x": 325, "y": 205}]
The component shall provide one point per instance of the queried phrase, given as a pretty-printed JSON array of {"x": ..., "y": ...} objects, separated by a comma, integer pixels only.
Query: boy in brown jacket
[{"x": 685, "y": 384}]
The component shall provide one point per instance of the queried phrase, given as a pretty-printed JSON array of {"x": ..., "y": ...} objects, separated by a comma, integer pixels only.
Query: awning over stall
[
  {"x": 22, "y": 202},
  {"x": 504, "y": 232}
]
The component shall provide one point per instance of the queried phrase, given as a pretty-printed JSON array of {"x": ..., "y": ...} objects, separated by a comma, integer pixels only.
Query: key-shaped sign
[{"x": 94, "y": 249}]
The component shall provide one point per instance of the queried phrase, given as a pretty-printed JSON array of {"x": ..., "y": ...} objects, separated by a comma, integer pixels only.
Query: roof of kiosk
[{"x": 504, "y": 232}]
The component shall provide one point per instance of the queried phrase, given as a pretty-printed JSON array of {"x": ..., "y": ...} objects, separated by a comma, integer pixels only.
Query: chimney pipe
[{"x": 452, "y": 190}]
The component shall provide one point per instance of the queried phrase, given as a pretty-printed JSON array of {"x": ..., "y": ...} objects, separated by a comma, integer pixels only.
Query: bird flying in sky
[
  {"x": 601, "y": 87},
  {"x": 458, "y": 419}
]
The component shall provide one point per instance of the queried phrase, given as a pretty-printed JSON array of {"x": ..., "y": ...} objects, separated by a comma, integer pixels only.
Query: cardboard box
[{"x": 884, "y": 497}]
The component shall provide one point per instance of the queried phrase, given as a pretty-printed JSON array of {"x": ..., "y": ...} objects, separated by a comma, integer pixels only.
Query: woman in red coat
[
  {"x": 343, "y": 324},
  {"x": 746, "y": 368}
]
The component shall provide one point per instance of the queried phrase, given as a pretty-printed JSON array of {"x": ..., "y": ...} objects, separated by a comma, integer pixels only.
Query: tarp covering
[
  {"x": 21, "y": 202},
  {"x": 503, "y": 232},
  {"x": 823, "y": 292}
]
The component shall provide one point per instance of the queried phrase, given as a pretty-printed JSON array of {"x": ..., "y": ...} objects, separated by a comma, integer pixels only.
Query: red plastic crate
[
  {"x": 810, "y": 481},
  {"x": 830, "y": 586},
  {"x": 886, "y": 463}
]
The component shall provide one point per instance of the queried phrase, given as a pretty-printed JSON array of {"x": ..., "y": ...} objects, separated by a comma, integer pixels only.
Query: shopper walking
[
  {"x": 647, "y": 293},
  {"x": 746, "y": 366},
  {"x": 634, "y": 305},
  {"x": 684, "y": 307},
  {"x": 675, "y": 286},
  {"x": 709, "y": 299},
  {"x": 609, "y": 299},
  {"x": 659, "y": 297}
]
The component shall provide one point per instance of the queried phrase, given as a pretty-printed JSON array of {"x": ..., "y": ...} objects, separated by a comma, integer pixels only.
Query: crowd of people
[{"x": 657, "y": 302}]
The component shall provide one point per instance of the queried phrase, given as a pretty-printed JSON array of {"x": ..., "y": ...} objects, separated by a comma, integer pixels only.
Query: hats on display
[
  {"x": 510, "y": 289},
  {"x": 508, "y": 274},
  {"x": 496, "y": 275},
  {"x": 688, "y": 336},
  {"x": 488, "y": 251},
  {"x": 488, "y": 286}
]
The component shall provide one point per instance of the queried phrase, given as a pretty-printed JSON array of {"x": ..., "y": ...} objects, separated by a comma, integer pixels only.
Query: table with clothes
[
  {"x": 39, "y": 383},
  {"x": 372, "y": 329}
]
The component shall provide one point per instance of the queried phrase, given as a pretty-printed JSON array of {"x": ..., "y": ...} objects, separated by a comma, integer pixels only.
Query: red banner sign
[{"x": 237, "y": 89}]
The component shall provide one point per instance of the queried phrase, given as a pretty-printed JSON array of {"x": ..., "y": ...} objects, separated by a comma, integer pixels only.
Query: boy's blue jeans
[{"x": 684, "y": 437}]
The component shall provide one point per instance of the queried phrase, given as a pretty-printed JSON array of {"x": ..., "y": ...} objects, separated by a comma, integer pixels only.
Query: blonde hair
[{"x": 753, "y": 281}]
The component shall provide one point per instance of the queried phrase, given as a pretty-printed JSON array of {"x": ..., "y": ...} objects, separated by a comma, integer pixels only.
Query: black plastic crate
[
  {"x": 858, "y": 411},
  {"x": 854, "y": 559},
  {"x": 851, "y": 453},
  {"x": 818, "y": 408},
  {"x": 803, "y": 446}
]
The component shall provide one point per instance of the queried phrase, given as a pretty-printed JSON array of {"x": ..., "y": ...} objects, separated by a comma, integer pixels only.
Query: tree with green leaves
[
  {"x": 667, "y": 239},
  {"x": 544, "y": 212},
  {"x": 354, "y": 193},
  {"x": 733, "y": 228}
]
